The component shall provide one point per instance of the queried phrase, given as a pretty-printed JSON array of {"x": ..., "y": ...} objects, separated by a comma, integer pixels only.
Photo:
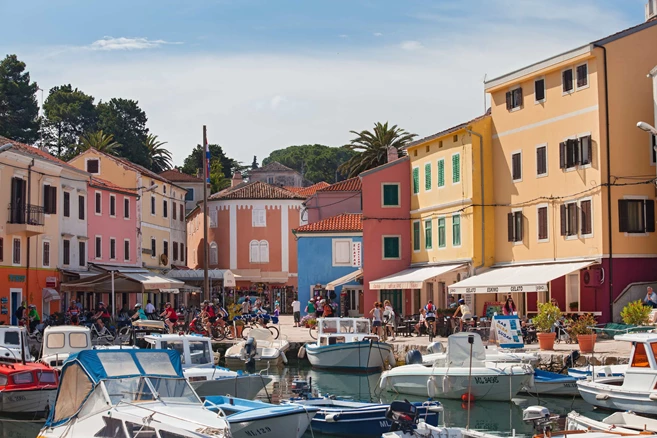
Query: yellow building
[
  {"x": 574, "y": 215},
  {"x": 451, "y": 180}
]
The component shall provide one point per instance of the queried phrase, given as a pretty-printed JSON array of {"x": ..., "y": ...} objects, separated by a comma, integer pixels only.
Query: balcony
[{"x": 25, "y": 219}]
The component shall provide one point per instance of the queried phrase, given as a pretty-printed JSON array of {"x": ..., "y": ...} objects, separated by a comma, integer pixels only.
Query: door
[
  {"x": 395, "y": 298},
  {"x": 353, "y": 302},
  {"x": 16, "y": 298},
  {"x": 18, "y": 200},
  {"x": 417, "y": 303}
]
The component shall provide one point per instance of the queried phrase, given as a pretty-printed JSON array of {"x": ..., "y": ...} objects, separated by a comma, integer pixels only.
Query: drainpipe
[
  {"x": 29, "y": 200},
  {"x": 608, "y": 170},
  {"x": 483, "y": 198}
]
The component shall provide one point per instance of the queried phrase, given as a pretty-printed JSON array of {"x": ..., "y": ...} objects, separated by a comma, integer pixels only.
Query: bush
[
  {"x": 582, "y": 325},
  {"x": 635, "y": 313},
  {"x": 547, "y": 315}
]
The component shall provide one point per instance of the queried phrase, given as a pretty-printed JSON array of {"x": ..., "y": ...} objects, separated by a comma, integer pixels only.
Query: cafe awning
[
  {"x": 143, "y": 281},
  {"x": 49, "y": 294},
  {"x": 412, "y": 278},
  {"x": 513, "y": 279},
  {"x": 345, "y": 279},
  {"x": 225, "y": 275}
]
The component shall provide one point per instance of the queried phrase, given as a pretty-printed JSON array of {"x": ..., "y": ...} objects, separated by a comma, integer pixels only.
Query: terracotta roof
[
  {"x": 274, "y": 166},
  {"x": 178, "y": 176},
  {"x": 308, "y": 191},
  {"x": 348, "y": 185},
  {"x": 102, "y": 183},
  {"x": 27, "y": 149},
  {"x": 255, "y": 190},
  {"x": 138, "y": 168},
  {"x": 446, "y": 131},
  {"x": 343, "y": 222}
]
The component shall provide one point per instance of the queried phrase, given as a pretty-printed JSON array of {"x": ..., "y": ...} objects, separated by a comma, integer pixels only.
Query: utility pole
[{"x": 206, "y": 176}]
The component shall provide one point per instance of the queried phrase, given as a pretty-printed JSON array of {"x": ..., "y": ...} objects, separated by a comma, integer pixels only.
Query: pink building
[
  {"x": 338, "y": 198},
  {"x": 386, "y": 231}
]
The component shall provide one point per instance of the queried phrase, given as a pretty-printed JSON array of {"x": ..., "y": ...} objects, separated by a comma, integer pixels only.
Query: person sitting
[
  {"x": 170, "y": 317},
  {"x": 465, "y": 312},
  {"x": 139, "y": 313},
  {"x": 509, "y": 307},
  {"x": 422, "y": 322},
  {"x": 651, "y": 298}
]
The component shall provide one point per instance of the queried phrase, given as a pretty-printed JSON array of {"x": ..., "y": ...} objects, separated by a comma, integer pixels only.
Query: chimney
[
  {"x": 651, "y": 10},
  {"x": 199, "y": 173},
  {"x": 392, "y": 154},
  {"x": 237, "y": 179}
]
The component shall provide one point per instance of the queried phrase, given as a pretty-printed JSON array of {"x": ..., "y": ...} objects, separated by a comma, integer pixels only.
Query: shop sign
[
  {"x": 507, "y": 332},
  {"x": 356, "y": 254},
  {"x": 4, "y": 300},
  {"x": 51, "y": 282},
  {"x": 515, "y": 288},
  {"x": 398, "y": 285},
  {"x": 16, "y": 278}
]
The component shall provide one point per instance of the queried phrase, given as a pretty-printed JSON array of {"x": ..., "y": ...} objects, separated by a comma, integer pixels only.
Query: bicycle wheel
[
  {"x": 313, "y": 332},
  {"x": 431, "y": 333},
  {"x": 274, "y": 331},
  {"x": 124, "y": 334},
  {"x": 218, "y": 333},
  {"x": 229, "y": 333}
]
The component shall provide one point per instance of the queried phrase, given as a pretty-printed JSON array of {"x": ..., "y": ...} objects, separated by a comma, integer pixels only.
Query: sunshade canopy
[
  {"x": 411, "y": 278},
  {"x": 345, "y": 279},
  {"x": 142, "y": 281},
  {"x": 226, "y": 275}
]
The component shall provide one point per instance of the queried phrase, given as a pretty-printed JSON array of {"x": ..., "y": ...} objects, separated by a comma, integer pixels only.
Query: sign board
[
  {"x": 499, "y": 289},
  {"x": 16, "y": 278},
  {"x": 507, "y": 331},
  {"x": 356, "y": 254},
  {"x": 51, "y": 282}
]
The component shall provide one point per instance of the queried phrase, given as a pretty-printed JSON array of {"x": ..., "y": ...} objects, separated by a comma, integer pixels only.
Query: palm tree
[
  {"x": 159, "y": 157},
  {"x": 100, "y": 141},
  {"x": 372, "y": 148}
]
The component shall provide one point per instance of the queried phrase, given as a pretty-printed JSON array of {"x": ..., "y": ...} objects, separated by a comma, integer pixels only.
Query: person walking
[
  {"x": 389, "y": 320},
  {"x": 310, "y": 307},
  {"x": 20, "y": 312},
  {"x": 377, "y": 316},
  {"x": 296, "y": 311},
  {"x": 150, "y": 309}
]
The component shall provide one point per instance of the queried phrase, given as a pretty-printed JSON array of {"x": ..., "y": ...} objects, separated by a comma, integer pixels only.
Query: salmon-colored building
[{"x": 334, "y": 199}]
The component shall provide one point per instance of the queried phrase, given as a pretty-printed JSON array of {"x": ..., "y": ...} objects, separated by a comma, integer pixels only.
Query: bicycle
[
  {"x": 104, "y": 335},
  {"x": 225, "y": 332},
  {"x": 253, "y": 322},
  {"x": 431, "y": 331},
  {"x": 314, "y": 330}
]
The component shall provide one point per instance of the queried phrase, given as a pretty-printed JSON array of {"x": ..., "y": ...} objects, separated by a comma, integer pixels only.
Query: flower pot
[
  {"x": 546, "y": 340},
  {"x": 586, "y": 343},
  {"x": 239, "y": 330},
  {"x": 232, "y": 331}
]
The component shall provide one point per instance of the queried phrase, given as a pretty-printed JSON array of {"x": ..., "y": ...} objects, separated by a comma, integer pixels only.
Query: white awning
[
  {"x": 169, "y": 291},
  {"x": 346, "y": 279},
  {"x": 49, "y": 294},
  {"x": 226, "y": 275},
  {"x": 530, "y": 278},
  {"x": 412, "y": 278}
]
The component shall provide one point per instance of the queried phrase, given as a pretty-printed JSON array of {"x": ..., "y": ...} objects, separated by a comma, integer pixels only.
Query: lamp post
[{"x": 652, "y": 131}]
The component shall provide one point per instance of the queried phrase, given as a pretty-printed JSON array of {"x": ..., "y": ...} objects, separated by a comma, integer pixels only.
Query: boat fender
[
  {"x": 392, "y": 361},
  {"x": 383, "y": 382},
  {"x": 447, "y": 386},
  {"x": 431, "y": 387},
  {"x": 531, "y": 382},
  {"x": 413, "y": 357},
  {"x": 653, "y": 397},
  {"x": 332, "y": 418},
  {"x": 302, "y": 353},
  {"x": 284, "y": 357},
  {"x": 435, "y": 347},
  {"x": 602, "y": 396}
]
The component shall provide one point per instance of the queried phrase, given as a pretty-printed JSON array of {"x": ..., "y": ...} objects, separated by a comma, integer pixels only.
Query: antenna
[{"x": 485, "y": 109}]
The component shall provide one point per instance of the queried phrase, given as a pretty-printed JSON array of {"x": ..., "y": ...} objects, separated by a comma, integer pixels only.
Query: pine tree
[{"x": 19, "y": 111}]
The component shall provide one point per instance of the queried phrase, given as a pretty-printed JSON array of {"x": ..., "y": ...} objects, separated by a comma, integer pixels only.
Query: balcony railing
[{"x": 26, "y": 214}]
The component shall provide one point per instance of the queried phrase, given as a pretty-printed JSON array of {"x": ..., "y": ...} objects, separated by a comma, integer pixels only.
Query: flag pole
[{"x": 206, "y": 179}]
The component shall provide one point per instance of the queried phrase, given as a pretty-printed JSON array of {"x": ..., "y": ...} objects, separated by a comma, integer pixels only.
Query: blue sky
[{"x": 263, "y": 75}]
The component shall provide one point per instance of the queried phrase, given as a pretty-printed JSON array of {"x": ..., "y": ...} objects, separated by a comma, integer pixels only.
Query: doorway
[
  {"x": 395, "y": 298},
  {"x": 18, "y": 200},
  {"x": 16, "y": 296},
  {"x": 352, "y": 301}
]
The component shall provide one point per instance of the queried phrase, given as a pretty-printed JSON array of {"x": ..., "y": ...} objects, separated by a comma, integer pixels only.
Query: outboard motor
[
  {"x": 539, "y": 417},
  {"x": 435, "y": 347},
  {"x": 413, "y": 357},
  {"x": 403, "y": 415},
  {"x": 250, "y": 351}
]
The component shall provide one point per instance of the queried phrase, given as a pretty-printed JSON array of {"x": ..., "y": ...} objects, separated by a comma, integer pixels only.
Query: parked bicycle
[{"x": 259, "y": 321}]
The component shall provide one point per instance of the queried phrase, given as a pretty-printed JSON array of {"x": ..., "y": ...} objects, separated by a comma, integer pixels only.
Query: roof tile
[
  {"x": 178, "y": 176},
  {"x": 102, "y": 183},
  {"x": 308, "y": 191},
  {"x": 446, "y": 131},
  {"x": 348, "y": 185},
  {"x": 343, "y": 222},
  {"x": 32, "y": 150},
  {"x": 255, "y": 190}
]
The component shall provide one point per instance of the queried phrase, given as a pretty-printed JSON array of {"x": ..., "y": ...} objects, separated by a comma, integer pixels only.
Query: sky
[{"x": 266, "y": 74}]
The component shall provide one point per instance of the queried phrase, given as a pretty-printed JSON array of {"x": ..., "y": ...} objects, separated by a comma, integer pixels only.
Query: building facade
[
  {"x": 193, "y": 187},
  {"x": 276, "y": 174},
  {"x": 341, "y": 197}
]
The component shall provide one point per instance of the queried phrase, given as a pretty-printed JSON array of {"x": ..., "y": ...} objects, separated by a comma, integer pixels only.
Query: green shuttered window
[
  {"x": 427, "y": 176},
  {"x": 441, "y": 173},
  {"x": 456, "y": 168},
  {"x": 456, "y": 230},
  {"x": 428, "y": 234},
  {"x": 391, "y": 247},
  {"x": 442, "y": 241},
  {"x": 390, "y": 195},
  {"x": 416, "y": 180},
  {"x": 416, "y": 236}
]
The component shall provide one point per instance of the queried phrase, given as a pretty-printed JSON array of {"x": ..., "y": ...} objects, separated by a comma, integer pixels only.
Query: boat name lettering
[
  {"x": 384, "y": 424},
  {"x": 492, "y": 289},
  {"x": 516, "y": 288},
  {"x": 486, "y": 380},
  {"x": 258, "y": 432},
  {"x": 17, "y": 398}
]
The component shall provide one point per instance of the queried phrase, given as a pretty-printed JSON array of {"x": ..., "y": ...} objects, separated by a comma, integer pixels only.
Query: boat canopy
[{"x": 458, "y": 350}]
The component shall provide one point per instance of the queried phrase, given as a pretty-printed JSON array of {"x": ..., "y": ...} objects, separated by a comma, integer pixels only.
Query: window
[
  {"x": 416, "y": 235},
  {"x": 567, "y": 81},
  {"x": 586, "y": 150},
  {"x": 428, "y": 243},
  {"x": 542, "y": 213},
  {"x": 164, "y": 189},
  {"x": 636, "y": 215},
  {"x": 640, "y": 358},
  {"x": 390, "y": 195},
  {"x": 441, "y": 172},
  {"x": 126, "y": 208},
  {"x": 99, "y": 199},
  {"x": 416, "y": 180},
  {"x": 456, "y": 168},
  {"x": 45, "y": 257},
  {"x": 541, "y": 160},
  {"x": 514, "y": 99},
  {"x": 341, "y": 252},
  {"x": 67, "y": 204},
  {"x": 213, "y": 218},
  {"x": 391, "y": 247},
  {"x": 586, "y": 218},
  {"x": 455, "y": 138},
  {"x": 165, "y": 208},
  {"x": 514, "y": 226},
  {"x": 99, "y": 247},
  {"x": 189, "y": 196},
  {"x": 214, "y": 254},
  {"x": 456, "y": 230},
  {"x": 112, "y": 206},
  {"x": 182, "y": 252},
  {"x": 516, "y": 166},
  {"x": 582, "y": 76},
  {"x": 572, "y": 288},
  {"x": 428, "y": 148},
  {"x": 182, "y": 212},
  {"x": 126, "y": 250},
  {"x": 174, "y": 211},
  {"x": 575, "y": 151},
  {"x": 93, "y": 166},
  {"x": 165, "y": 248},
  {"x": 175, "y": 251},
  {"x": 153, "y": 247},
  {"x": 270, "y": 180},
  {"x": 653, "y": 149},
  {"x": 539, "y": 90},
  {"x": 569, "y": 219},
  {"x": 81, "y": 208},
  {"x": 83, "y": 254},
  {"x": 152, "y": 205},
  {"x": 442, "y": 237},
  {"x": 112, "y": 249},
  {"x": 427, "y": 177},
  {"x": 2, "y": 249},
  {"x": 259, "y": 217},
  {"x": 49, "y": 199},
  {"x": 16, "y": 256},
  {"x": 66, "y": 251}
]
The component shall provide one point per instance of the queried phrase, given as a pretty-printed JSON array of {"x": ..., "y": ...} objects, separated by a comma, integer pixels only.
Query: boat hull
[
  {"x": 362, "y": 356},
  {"x": 35, "y": 403},
  {"x": 548, "y": 383},
  {"x": 608, "y": 396},
  {"x": 285, "y": 425},
  {"x": 235, "y": 363},
  {"x": 247, "y": 386}
]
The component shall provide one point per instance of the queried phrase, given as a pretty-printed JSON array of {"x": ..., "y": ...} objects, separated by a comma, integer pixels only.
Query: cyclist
[
  {"x": 430, "y": 316},
  {"x": 73, "y": 312},
  {"x": 465, "y": 312},
  {"x": 211, "y": 316},
  {"x": 139, "y": 313},
  {"x": 171, "y": 317},
  {"x": 102, "y": 313},
  {"x": 34, "y": 317}
]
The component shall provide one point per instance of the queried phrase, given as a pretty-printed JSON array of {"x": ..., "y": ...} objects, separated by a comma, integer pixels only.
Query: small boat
[
  {"x": 27, "y": 390},
  {"x": 198, "y": 367},
  {"x": 636, "y": 391},
  {"x": 347, "y": 344},
  {"x": 600, "y": 371},
  {"x": 493, "y": 354},
  {"x": 249, "y": 418},
  {"x": 129, "y": 393},
  {"x": 548, "y": 383},
  {"x": 453, "y": 379},
  {"x": 61, "y": 341},
  {"x": 623, "y": 422},
  {"x": 13, "y": 343},
  {"x": 261, "y": 347}
]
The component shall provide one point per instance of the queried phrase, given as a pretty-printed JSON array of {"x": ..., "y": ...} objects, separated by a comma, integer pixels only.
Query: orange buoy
[{"x": 467, "y": 396}]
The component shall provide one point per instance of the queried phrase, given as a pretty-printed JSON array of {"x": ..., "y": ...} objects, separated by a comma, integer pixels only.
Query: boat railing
[{"x": 153, "y": 412}]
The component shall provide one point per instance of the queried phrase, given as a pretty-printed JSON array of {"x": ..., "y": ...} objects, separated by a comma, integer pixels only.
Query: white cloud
[
  {"x": 122, "y": 43},
  {"x": 411, "y": 45},
  {"x": 377, "y": 34},
  {"x": 343, "y": 35}
]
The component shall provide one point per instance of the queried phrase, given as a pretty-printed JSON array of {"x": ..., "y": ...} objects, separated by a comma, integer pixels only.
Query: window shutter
[
  {"x": 427, "y": 176},
  {"x": 519, "y": 94},
  {"x": 441, "y": 173},
  {"x": 575, "y": 147},
  {"x": 456, "y": 168},
  {"x": 562, "y": 155},
  {"x": 509, "y": 100},
  {"x": 519, "y": 226},
  {"x": 650, "y": 216},
  {"x": 623, "y": 221},
  {"x": 510, "y": 227},
  {"x": 564, "y": 219},
  {"x": 416, "y": 180},
  {"x": 585, "y": 149}
]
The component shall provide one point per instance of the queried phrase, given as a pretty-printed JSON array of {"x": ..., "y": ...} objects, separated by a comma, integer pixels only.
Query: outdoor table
[{"x": 410, "y": 325}]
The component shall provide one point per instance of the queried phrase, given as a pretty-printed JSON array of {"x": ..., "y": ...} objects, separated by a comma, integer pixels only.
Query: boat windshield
[
  {"x": 174, "y": 390},
  {"x": 138, "y": 390}
]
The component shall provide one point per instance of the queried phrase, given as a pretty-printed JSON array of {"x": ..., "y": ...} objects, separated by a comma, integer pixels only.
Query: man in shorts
[
  {"x": 296, "y": 311},
  {"x": 430, "y": 315}
]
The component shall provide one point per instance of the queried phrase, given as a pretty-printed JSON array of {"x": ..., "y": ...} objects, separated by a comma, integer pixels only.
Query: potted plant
[
  {"x": 574, "y": 306},
  {"x": 239, "y": 326},
  {"x": 548, "y": 314},
  {"x": 582, "y": 330},
  {"x": 636, "y": 313}
]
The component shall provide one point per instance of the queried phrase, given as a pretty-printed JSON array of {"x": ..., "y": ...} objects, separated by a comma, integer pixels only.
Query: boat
[
  {"x": 261, "y": 347},
  {"x": 635, "y": 391},
  {"x": 249, "y": 418},
  {"x": 347, "y": 344},
  {"x": 198, "y": 367},
  {"x": 553, "y": 384},
  {"x": 453, "y": 379},
  {"x": 27, "y": 390},
  {"x": 493, "y": 354},
  {"x": 13, "y": 342},
  {"x": 108, "y": 393},
  {"x": 61, "y": 341},
  {"x": 623, "y": 422},
  {"x": 600, "y": 371}
]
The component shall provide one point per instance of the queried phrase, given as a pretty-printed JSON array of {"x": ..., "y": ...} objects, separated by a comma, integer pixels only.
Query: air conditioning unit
[
  {"x": 592, "y": 277},
  {"x": 651, "y": 9}
]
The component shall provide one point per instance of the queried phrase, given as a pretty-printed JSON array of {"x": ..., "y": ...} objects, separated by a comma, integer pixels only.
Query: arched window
[
  {"x": 264, "y": 251},
  {"x": 254, "y": 251},
  {"x": 214, "y": 254}
]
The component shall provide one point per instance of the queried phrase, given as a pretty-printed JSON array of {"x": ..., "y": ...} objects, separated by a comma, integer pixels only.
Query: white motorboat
[
  {"x": 14, "y": 346},
  {"x": 263, "y": 349},
  {"x": 347, "y": 344},
  {"x": 129, "y": 393},
  {"x": 637, "y": 391},
  {"x": 198, "y": 367},
  {"x": 600, "y": 371},
  {"x": 493, "y": 354},
  {"x": 453, "y": 379},
  {"x": 61, "y": 341},
  {"x": 622, "y": 422}
]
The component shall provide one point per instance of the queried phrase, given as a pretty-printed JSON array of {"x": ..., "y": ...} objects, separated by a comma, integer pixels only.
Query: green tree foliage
[
  {"x": 372, "y": 147},
  {"x": 127, "y": 123},
  {"x": 218, "y": 181},
  {"x": 194, "y": 161},
  {"x": 636, "y": 313},
  {"x": 254, "y": 165},
  {"x": 159, "y": 159},
  {"x": 19, "y": 111},
  {"x": 315, "y": 162},
  {"x": 69, "y": 113},
  {"x": 100, "y": 141}
]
